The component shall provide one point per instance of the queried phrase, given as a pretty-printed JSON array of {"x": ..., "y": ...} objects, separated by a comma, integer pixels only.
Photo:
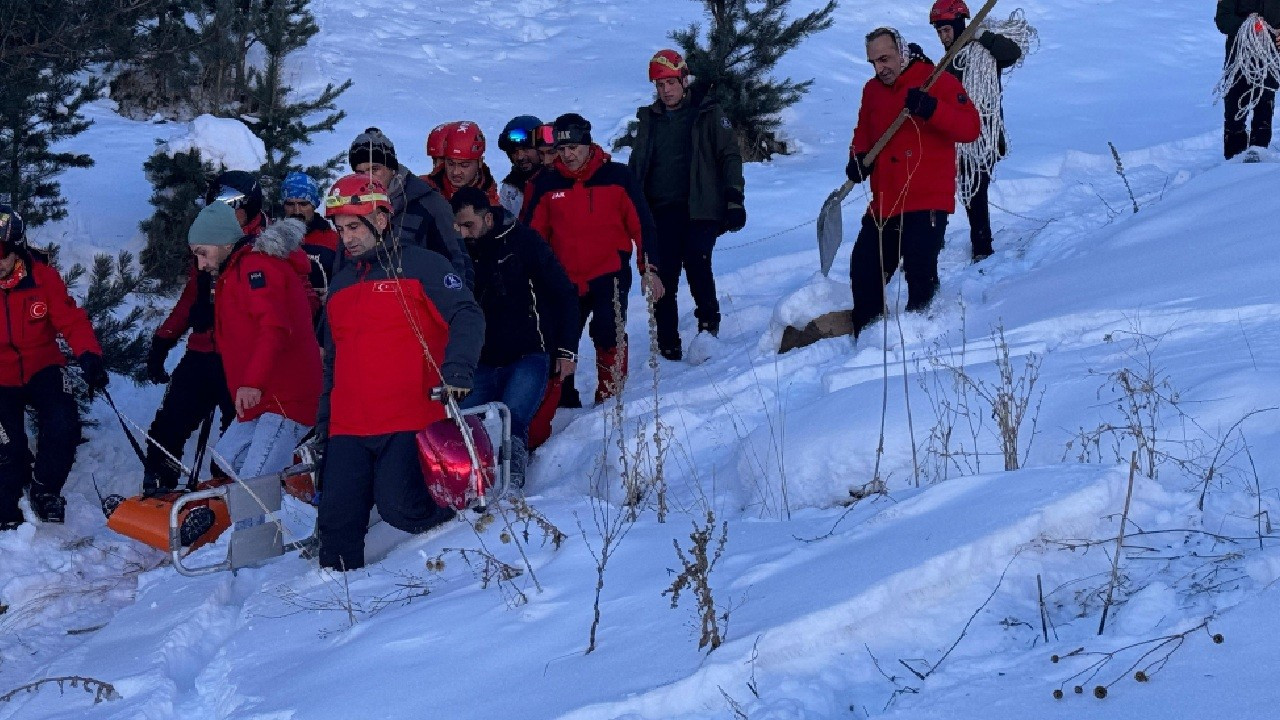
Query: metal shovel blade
[{"x": 831, "y": 227}]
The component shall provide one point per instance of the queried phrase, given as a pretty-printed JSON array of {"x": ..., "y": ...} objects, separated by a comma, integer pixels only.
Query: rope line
[{"x": 1253, "y": 58}]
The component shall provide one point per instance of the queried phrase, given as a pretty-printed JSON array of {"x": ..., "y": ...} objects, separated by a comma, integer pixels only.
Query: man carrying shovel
[{"x": 913, "y": 179}]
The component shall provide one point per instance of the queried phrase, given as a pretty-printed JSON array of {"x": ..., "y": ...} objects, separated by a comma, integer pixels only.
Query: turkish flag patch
[
  {"x": 257, "y": 280},
  {"x": 39, "y": 309}
]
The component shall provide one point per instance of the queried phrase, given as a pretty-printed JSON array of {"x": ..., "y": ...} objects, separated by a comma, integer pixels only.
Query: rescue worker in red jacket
[
  {"x": 464, "y": 165},
  {"x": 264, "y": 333},
  {"x": 913, "y": 181},
  {"x": 400, "y": 322},
  {"x": 590, "y": 209},
  {"x": 301, "y": 198},
  {"x": 198, "y": 385},
  {"x": 33, "y": 373}
]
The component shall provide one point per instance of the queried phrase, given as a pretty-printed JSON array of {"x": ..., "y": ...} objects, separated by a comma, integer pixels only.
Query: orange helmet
[
  {"x": 435, "y": 140},
  {"x": 667, "y": 64},
  {"x": 947, "y": 10},
  {"x": 357, "y": 194},
  {"x": 464, "y": 141}
]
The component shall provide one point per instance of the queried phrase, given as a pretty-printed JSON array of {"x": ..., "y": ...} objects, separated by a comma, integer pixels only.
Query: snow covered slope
[{"x": 922, "y": 603}]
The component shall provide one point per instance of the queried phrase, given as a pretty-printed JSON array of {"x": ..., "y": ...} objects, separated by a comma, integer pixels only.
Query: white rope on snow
[
  {"x": 1254, "y": 58},
  {"x": 982, "y": 83}
]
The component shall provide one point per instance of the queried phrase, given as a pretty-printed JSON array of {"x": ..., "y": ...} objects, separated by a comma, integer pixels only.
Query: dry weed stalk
[
  {"x": 695, "y": 576},
  {"x": 100, "y": 689}
]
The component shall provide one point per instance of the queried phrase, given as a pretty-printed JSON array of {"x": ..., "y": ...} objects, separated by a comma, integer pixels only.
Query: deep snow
[{"x": 773, "y": 444}]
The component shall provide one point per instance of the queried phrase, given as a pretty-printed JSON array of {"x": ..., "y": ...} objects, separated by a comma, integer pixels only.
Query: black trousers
[
  {"x": 1236, "y": 137},
  {"x": 57, "y": 418},
  {"x": 596, "y": 315},
  {"x": 360, "y": 472},
  {"x": 684, "y": 244},
  {"x": 198, "y": 385},
  {"x": 916, "y": 237},
  {"x": 979, "y": 212}
]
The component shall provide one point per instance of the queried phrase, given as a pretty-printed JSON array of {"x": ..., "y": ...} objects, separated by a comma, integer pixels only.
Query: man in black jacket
[
  {"x": 687, "y": 159},
  {"x": 948, "y": 18},
  {"x": 420, "y": 214},
  {"x": 530, "y": 310}
]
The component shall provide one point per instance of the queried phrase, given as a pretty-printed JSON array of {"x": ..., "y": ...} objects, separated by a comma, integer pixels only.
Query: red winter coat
[
  {"x": 263, "y": 327},
  {"x": 36, "y": 311},
  {"x": 377, "y": 375},
  {"x": 917, "y": 169},
  {"x": 592, "y": 217}
]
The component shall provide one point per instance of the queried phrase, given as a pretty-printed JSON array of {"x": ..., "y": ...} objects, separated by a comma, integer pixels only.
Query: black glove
[
  {"x": 921, "y": 104},
  {"x": 857, "y": 170},
  {"x": 95, "y": 375},
  {"x": 735, "y": 218},
  {"x": 159, "y": 352}
]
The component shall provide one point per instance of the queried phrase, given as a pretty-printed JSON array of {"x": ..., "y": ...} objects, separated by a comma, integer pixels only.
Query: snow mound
[{"x": 222, "y": 141}]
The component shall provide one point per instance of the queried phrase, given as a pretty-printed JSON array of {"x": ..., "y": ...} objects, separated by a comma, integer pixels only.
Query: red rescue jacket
[
  {"x": 917, "y": 169},
  {"x": 263, "y": 329},
  {"x": 377, "y": 375},
  {"x": 36, "y": 311},
  {"x": 592, "y": 217}
]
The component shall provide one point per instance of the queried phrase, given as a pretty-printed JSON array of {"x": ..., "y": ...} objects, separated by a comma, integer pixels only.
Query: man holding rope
[
  {"x": 1250, "y": 71},
  {"x": 400, "y": 322},
  {"x": 913, "y": 180}
]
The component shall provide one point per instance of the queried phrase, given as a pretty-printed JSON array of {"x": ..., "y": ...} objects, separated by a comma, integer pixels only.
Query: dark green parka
[{"x": 715, "y": 181}]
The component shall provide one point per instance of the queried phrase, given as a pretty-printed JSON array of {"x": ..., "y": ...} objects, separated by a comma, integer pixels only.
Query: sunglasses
[{"x": 231, "y": 197}]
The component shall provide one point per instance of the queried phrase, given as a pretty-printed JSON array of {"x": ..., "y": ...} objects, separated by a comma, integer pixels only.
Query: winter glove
[
  {"x": 735, "y": 218},
  {"x": 159, "y": 352},
  {"x": 921, "y": 104},
  {"x": 95, "y": 375},
  {"x": 857, "y": 170}
]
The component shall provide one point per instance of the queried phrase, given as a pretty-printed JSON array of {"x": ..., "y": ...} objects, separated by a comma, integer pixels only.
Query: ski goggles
[
  {"x": 545, "y": 135},
  {"x": 230, "y": 196},
  {"x": 516, "y": 138}
]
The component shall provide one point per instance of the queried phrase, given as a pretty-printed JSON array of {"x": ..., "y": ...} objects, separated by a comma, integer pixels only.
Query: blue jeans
[{"x": 519, "y": 386}]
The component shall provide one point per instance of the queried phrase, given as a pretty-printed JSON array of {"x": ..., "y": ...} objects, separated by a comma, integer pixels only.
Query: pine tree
[
  {"x": 281, "y": 27},
  {"x": 178, "y": 183},
  {"x": 742, "y": 47},
  {"x": 124, "y": 338}
]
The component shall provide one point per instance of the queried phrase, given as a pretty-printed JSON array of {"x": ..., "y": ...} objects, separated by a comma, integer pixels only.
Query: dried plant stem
[{"x": 1115, "y": 558}]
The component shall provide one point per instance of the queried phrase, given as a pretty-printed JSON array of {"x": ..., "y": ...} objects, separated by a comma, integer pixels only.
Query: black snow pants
[
  {"x": 198, "y": 385},
  {"x": 1236, "y": 137},
  {"x": 58, "y": 433},
  {"x": 979, "y": 212},
  {"x": 598, "y": 316},
  {"x": 916, "y": 237},
  {"x": 360, "y": 472},
  {"x": 685, "y": 244}
]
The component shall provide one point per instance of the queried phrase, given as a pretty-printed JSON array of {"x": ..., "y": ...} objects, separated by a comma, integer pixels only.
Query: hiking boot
[
  {"x": 10, "y": 525},
  {"x": 710, "y": 327},
  {"x": 49, "y": 508},
  {"x": 674, "y": 353}
]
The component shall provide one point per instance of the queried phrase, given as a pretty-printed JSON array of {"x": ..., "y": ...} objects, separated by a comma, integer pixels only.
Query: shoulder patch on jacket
[
  {"x": 452, "y": 281},
  {"x": 724, "y": 122},
  {"x": 257, "y": 280}
]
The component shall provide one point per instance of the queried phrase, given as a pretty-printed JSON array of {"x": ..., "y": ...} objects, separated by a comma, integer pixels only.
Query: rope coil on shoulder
[{"x": 1253, "y": 58}]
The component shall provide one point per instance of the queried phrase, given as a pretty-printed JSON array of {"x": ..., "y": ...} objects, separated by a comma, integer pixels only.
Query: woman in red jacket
[
  {"x": 913, "y": 181},
  {"x": 37, "y": 309},
  {"x": 263, "y": 331}
]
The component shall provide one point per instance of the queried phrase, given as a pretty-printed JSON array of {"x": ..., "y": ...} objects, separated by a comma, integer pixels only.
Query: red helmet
[
  {"x": 464, "y": 141},
  {"x": 435, "y": 140},
  {"x": 947, "y": 10},
  {"x": 667, "y": 64},
  {"x": 357, "y": 194}
]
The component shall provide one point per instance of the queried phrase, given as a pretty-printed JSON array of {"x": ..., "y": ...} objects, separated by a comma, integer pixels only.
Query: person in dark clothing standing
[
  {"x": 687, "y": 159},
  {"x": 33, "y": 373},
  {"x": 301, "y": 198},
  {"x": 948, "y": 17},
  {"x": 198, "y": 385},
  {"x": 530, "y": 313},
  {"x": 421, "y": 216},
  {"x": 519, "y": 141},
  {"x": 400, "y": 323},
  {"x": 1231, "y": 15},
  {"x": 592, "y": 212},
  {"x": 913, "y": 181}
]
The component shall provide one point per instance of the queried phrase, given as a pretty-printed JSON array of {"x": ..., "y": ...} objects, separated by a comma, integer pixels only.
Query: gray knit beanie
[{"x": 215, "y": 225}]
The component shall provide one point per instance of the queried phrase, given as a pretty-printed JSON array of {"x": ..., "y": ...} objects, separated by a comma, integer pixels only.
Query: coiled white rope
[
  {"x": 1253, "y": 58},
  {"x": 982, "y": 83}
]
